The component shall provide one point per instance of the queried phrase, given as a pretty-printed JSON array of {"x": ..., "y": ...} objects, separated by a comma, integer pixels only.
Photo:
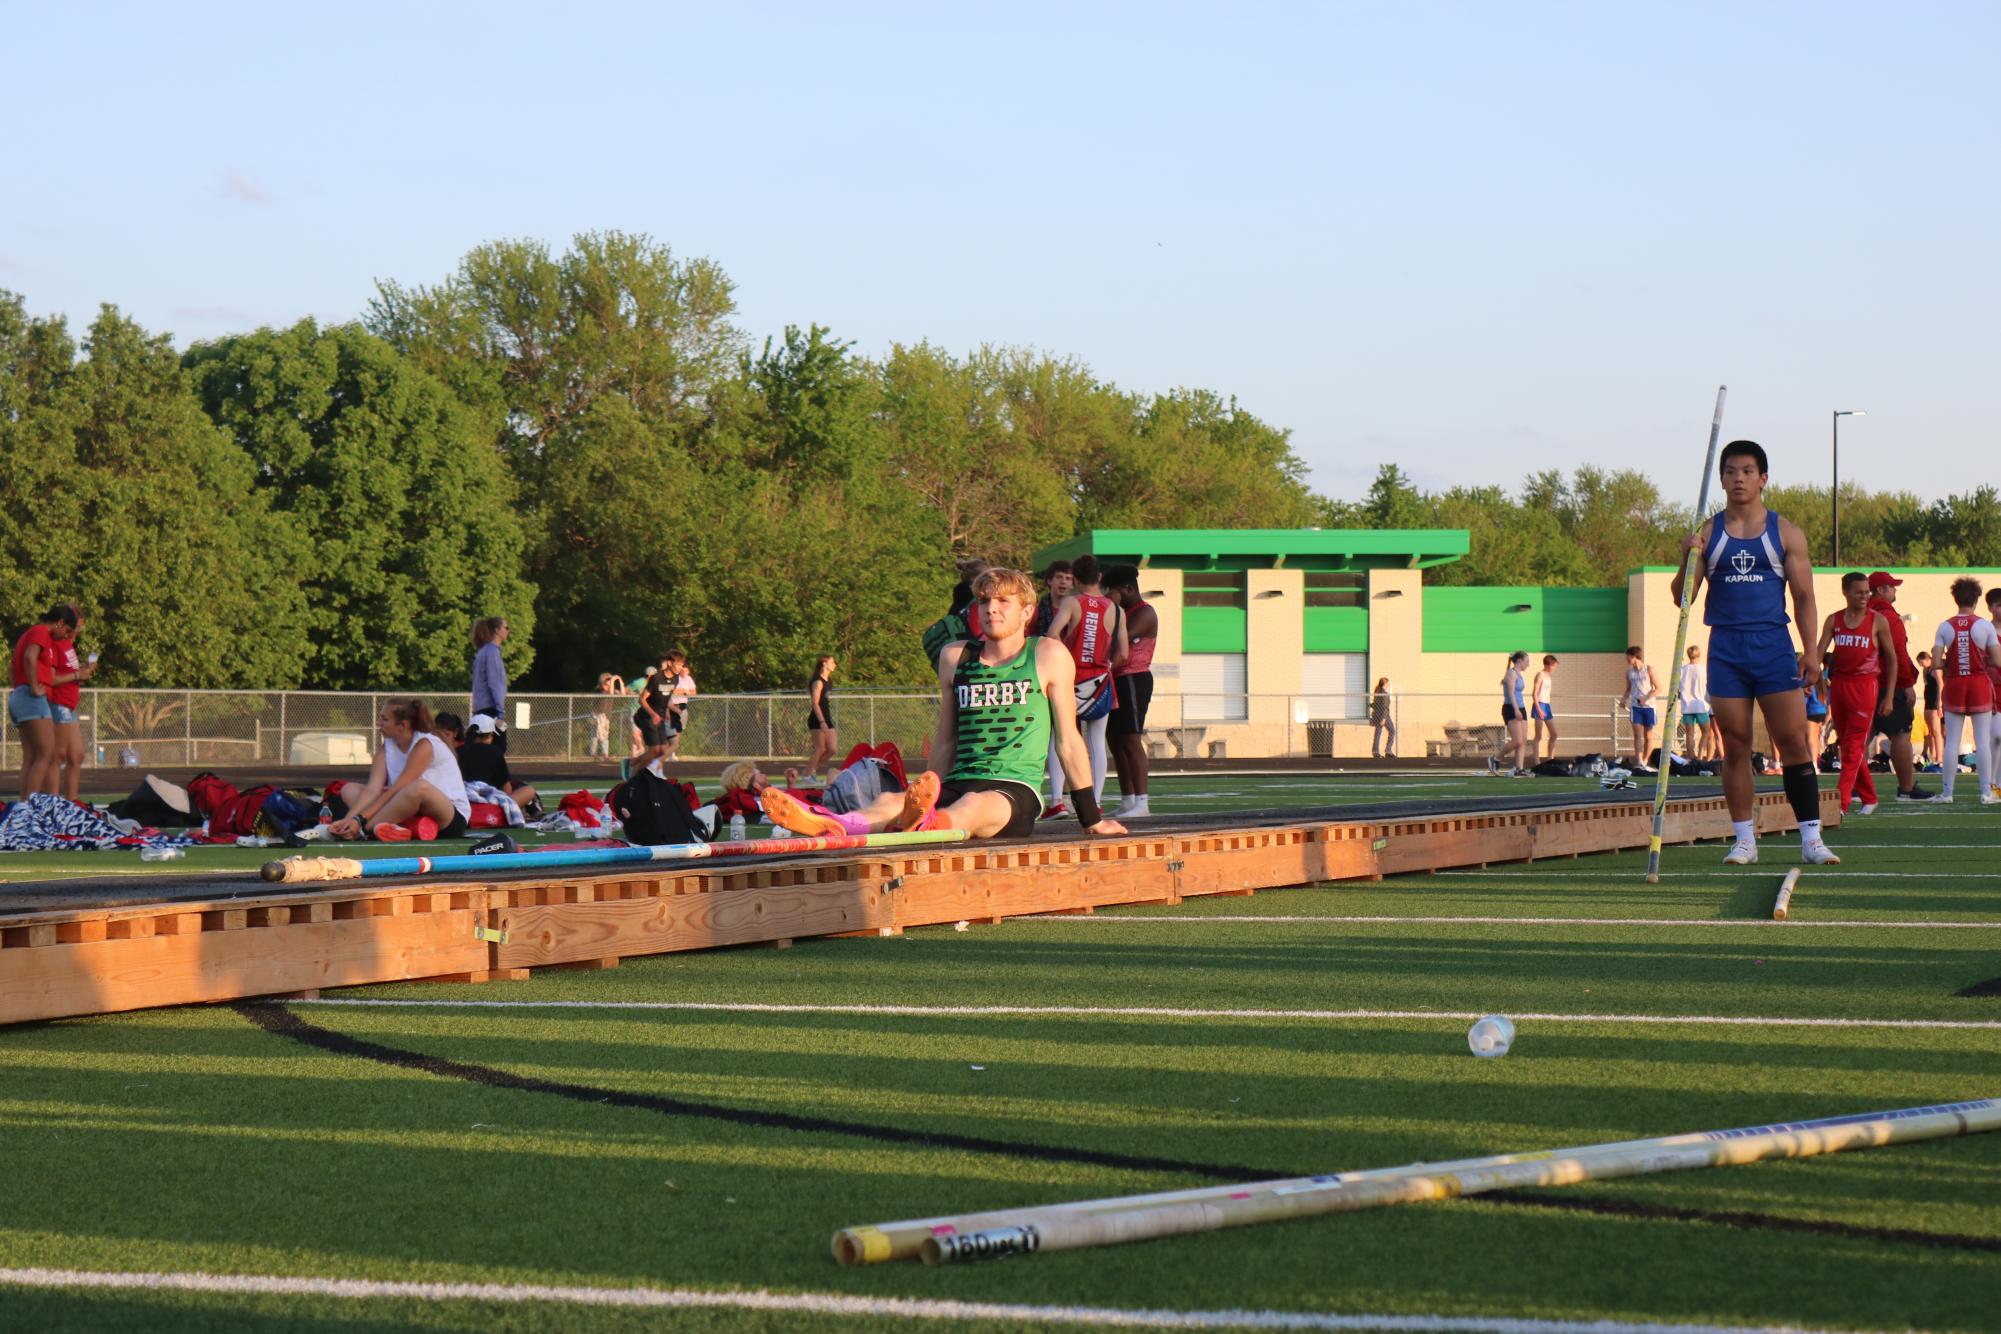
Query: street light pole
[{"x": 1834, "y": 493}]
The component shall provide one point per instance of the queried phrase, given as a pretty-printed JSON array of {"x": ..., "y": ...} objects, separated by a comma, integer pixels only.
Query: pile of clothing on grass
[{"x": 48, "y": 823}]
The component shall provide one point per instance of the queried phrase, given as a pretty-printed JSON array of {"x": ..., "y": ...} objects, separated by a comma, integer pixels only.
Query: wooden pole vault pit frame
[{"x": 98, "y": 960}]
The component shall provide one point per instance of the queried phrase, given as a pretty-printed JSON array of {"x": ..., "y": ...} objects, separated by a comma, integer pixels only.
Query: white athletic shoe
[
  {"x": 1942, "y": 799},
  {"x": 1818, "y": 853},
  {"x": 1130, "y": 807},
  {"x": 1868, "y": 808},
  {"x": 1990, "y": 800},
  {"x": 1741, "y": 854}
]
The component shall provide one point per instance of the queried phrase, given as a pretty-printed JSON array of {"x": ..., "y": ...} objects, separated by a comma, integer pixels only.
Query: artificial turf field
[{"x": 649, "y": 1148}]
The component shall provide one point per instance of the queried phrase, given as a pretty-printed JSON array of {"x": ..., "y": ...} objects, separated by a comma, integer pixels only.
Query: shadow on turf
[{"x": 282, "y": 1023}]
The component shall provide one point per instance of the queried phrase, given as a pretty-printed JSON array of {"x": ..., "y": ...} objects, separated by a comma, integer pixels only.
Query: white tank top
[
  {"x": 1636, "y": 688},
  {"x": 442, "y": 773}
]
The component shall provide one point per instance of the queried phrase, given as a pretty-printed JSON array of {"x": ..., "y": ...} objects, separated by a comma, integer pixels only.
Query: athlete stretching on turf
[
  {"x": 999, "y": 699},
  {"x": 1751, "y": 556}
]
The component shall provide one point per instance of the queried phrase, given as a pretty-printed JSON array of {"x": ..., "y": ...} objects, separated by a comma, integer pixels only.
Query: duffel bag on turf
[{"x": 654, "y": 811}]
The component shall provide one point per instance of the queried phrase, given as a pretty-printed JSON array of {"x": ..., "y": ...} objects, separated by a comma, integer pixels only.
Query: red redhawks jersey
[{"x": 1965, "y": 646}]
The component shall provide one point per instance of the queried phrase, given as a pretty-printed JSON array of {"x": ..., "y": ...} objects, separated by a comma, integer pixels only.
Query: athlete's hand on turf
[{"x": 1106, "y": 828}]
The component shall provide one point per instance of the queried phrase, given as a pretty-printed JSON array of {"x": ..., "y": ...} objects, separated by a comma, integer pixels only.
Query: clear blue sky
[{"x": 1473, "y": 238}]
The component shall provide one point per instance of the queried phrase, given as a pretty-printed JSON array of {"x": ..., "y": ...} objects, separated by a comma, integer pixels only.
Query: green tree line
[{"x": 586, "y": 443}]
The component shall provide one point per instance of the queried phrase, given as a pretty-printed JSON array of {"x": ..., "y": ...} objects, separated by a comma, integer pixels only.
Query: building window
[
  {"x": 1334, "y": 686},
  {"x": 1213, "y": 588},
  {"x": 1212, "y": 688},
  {"x": 1337, "y": 588}
]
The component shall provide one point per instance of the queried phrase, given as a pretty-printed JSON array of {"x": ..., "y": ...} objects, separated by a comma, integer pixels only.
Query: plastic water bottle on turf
[
  {"x": 736, "y": 829},
  {"x": 161, "y": 854},
  {"x": 1491, "y": 1036}
]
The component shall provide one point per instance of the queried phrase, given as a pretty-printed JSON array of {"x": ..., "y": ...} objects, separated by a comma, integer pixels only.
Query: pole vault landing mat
[{"x": 100, "y": 945}]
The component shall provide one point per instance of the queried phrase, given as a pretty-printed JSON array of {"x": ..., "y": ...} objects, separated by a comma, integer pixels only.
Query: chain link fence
[{"x": 239, "y": 731}]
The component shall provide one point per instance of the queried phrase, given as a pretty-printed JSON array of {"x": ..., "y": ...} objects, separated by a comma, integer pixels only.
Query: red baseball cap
[{"x": 1883, "y": 579}]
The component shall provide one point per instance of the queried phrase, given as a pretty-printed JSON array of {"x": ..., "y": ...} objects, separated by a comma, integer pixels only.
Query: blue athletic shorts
[
  {"x": 62, "y": 713},
  {"x": 1542, "y": 711},
  {"x": 1696, "y": 719},
  {"x": 25, "y": 706},
  {"x": 1748, "y": 662},
  {"x": 1644, "y": 717}
]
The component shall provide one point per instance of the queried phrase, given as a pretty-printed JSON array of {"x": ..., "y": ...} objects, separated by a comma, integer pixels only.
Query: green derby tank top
[{"x": 1003, "y": 719}]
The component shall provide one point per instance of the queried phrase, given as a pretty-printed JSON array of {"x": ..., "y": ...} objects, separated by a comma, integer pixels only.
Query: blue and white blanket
[
  {"x": 45, "y": 823},
  {"x": 508, "y": 806}
]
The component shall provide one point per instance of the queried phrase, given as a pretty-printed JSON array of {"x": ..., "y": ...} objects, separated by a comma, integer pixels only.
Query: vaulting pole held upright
[{"x": 1669, "y": 718}]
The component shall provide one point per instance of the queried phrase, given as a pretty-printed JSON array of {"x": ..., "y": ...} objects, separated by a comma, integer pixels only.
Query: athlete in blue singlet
[{"x": 1750, "y": 558}]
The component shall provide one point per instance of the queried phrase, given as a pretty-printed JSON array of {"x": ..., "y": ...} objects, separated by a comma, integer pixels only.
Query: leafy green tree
[
  {"x": 1393, "y": 501},
  {"x": 408, "y": 513},
  {"x": 117, "y": 492},
  {"x": 533, "y": 341}
]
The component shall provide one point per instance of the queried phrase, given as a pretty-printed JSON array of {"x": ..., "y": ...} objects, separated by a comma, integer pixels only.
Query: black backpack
[{"x": 654, "y": 811}]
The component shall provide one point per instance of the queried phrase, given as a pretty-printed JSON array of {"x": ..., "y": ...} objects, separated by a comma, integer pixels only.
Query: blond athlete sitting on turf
[{"x": 999, "y": 699}]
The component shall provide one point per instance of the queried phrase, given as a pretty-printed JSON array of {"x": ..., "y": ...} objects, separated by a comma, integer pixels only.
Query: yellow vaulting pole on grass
[
  {"x": 1668, "y": 718},
  {"x": 954, "y": 1239},
  {"x": 1783, "y": 903}
]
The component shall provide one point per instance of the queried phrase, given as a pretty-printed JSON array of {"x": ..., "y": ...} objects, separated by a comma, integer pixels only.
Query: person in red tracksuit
[{"x": 1857, "y": 644}]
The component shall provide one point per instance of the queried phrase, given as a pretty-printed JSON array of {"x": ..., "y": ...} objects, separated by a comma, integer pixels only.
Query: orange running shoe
[
  {"x": 392, "y": 833},
  {"x": 919, "y": 800},
  {"x": 788, "y": 812}
]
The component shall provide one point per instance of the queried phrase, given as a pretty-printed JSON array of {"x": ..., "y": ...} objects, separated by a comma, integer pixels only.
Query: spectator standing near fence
[
  {"x": 1638, "y": 701},
  {"x": 1862, "y": 676},
  {"x": 1934, "y": 717},
  {"x": 489, "y": 673},
  {"x": 1515, "y": 715},
  {"x": 682, "y": 689},
  {"x": 1965, "y": 646},
  {"x": 1132, "y": 691},
  {"x": 820, "y": 732},
  {"x": 1691, "y": 688},
  {"x": 28, "y": 706},
  {"x": 1382, "y": 716},
  {"x": 1542, "y": 710},
  {"x": 67, "y": 673},
  {"x": 610, "y": 687}
]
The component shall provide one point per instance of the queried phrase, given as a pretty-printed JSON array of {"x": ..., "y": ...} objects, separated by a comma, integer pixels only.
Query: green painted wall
[
  {"x": 1337, "y": 629},
  {"x": 1214, "y": 630},
  {"x": 1556, "y": 620}
]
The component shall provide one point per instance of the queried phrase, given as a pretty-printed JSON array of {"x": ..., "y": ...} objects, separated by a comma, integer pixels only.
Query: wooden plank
[
  {"x": 98, "y": 977},
  {"x": 563, "y": 933}
]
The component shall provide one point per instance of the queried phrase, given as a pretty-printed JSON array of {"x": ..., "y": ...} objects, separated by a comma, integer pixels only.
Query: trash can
[{"x": 1320, "y": 740}]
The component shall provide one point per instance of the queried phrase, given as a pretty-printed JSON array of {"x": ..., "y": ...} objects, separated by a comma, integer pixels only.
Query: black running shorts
[
  {"x": 1027, "y": 802},
  {"x": 1134, "y": 695}
]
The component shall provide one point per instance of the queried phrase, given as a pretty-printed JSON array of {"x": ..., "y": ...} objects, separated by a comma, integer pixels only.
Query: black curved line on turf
[
  {"x": 1735, "y": 1218},
  {"x": 1991, "y": 987},
  {"x": 276, "y": 1019},
  {"x": 281, "y": 1022}
]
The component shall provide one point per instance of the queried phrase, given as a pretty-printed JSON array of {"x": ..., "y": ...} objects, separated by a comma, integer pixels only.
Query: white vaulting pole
[
  {"x": 1688, "y": 566},
  {"x": 1783, "y": 903},
  {"x": 952, "y": 1239}
]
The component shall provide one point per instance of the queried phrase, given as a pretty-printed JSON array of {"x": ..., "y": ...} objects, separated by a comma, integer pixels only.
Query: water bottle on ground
[
  {"x": 161, "y": 854},
  {"x": 1491, "y": 1036},
  {"x": 736, "y": 829}
]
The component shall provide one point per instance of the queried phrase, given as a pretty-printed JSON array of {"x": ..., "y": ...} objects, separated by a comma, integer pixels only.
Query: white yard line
[
  {"x": 822, "y": 1303},
  {"x": 1134, "y": 1012},
  {"x": 1196, "y": 918},
  {"x": 1817, "y": 872}
]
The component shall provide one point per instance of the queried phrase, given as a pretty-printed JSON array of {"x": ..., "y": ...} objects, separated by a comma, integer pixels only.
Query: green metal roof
[{"x": 1266, "y": 548}]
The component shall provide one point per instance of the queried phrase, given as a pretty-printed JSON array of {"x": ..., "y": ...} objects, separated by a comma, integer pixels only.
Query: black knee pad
[{"x": 1802, "y": 791}]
